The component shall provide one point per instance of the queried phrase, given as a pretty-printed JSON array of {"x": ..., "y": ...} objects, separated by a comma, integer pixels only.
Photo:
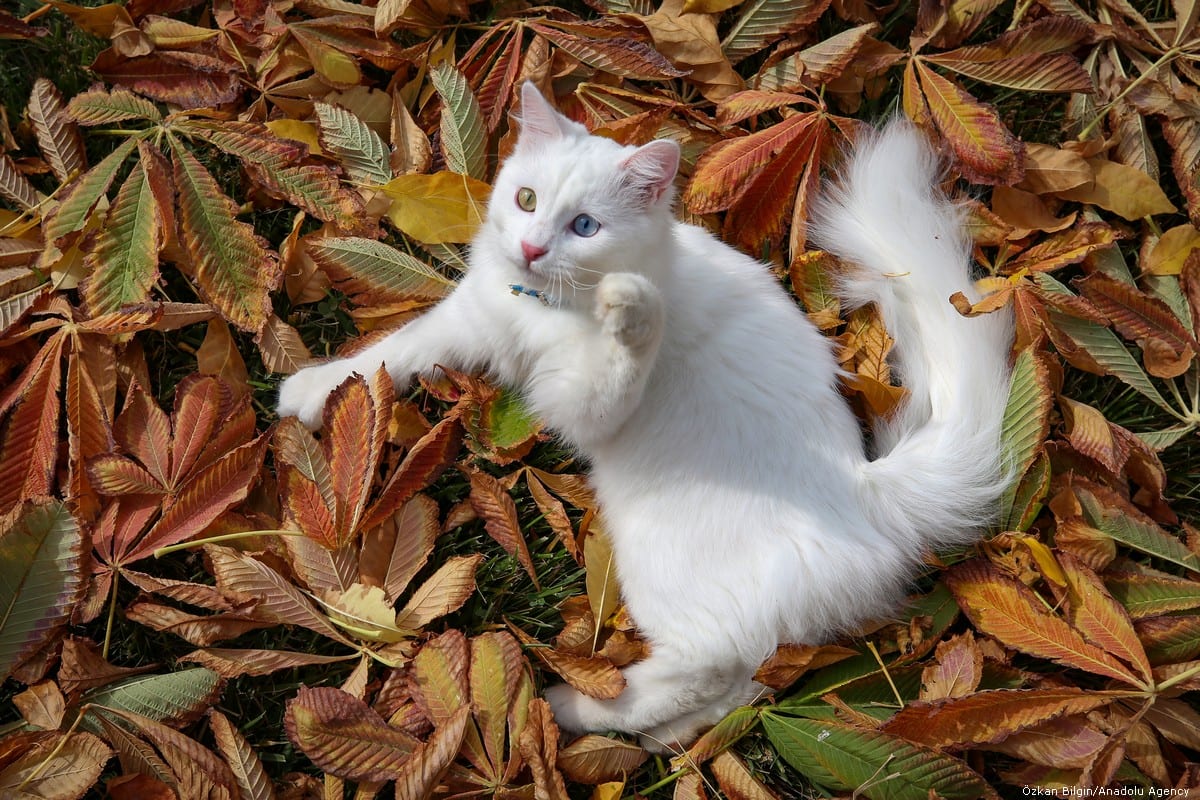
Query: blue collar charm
[{"x": 517, "y": 290}]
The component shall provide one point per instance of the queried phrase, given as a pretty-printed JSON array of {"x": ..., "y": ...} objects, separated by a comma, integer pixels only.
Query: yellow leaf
[
  {"x": 1123, "y": 190},
  {"x": 1050, "y": 169},
  {"x": 690, "y": 42},
  {"x": 298, "y": 131},
  {"x": 603, "y": 593},
  {"x": 1045, "y": 560},
  {"x": 340, "y": 69},
  {"x": 608, "y": 791},
  {"x": 439, "y": 208},
  {"x": 167, "y": 33},
  {"x": 1172, "y": 250},
  {"x": 365, "y": 612}
]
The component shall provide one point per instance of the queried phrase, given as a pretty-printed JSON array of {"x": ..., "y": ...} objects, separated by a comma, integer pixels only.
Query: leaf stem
[
  {"x": 62, "y": 742},
  {"x": 1019, "y": 14},
  {"x": 225, "y": 537},
  {"x": 667, "y": 781},
  {"x": 112, "y": 613},
  {"x": 1166, "y": 58},
  {"x": 1175, "y": 680},
  {"x": 886, "y": 674}
]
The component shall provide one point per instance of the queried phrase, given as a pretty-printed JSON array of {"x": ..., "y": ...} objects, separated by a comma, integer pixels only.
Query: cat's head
[{"x": 568, "y": 207}]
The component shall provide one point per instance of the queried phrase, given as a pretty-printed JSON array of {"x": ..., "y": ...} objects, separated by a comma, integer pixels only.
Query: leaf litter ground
[{"x": 208, "y": 195}]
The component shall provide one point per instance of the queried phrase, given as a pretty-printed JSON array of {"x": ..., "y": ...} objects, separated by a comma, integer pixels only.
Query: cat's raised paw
[{"x": 630, "y": 308}]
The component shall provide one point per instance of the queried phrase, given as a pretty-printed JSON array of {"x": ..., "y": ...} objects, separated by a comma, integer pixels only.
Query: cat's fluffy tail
[{"x": 938, "y": 471}]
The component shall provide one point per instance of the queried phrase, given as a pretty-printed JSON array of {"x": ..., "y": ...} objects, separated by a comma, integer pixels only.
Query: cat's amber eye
[{"x": 526, "y": 198}]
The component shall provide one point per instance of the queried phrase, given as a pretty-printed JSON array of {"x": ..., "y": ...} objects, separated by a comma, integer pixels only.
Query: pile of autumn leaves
[{"x": 1059, "y": 654}]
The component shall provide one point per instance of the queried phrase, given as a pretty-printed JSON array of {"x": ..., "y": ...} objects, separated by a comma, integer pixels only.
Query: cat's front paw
[
  {"x": 303, "y": 395},
  {"x": 629, "y": 308}
]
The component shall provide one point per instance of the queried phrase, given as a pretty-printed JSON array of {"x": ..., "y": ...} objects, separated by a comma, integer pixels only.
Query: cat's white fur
[{"x": 743, "y": 506}]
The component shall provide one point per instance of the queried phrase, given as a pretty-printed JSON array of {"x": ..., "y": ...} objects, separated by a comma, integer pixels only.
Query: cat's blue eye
[{"x": 585, "y": 225}]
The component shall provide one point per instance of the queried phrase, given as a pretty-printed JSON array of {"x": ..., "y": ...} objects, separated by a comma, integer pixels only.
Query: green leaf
[
  {"x": 1024, "y": 499},
  {"x": 100, "y": 107},
  {"x": 270, "y": 160},
  {"x": 123, "y": 265},
  {"x": 508, "y": 422},
  {"x": 464, "y": 135},
  {"x": 872, "y": 695},
  {"x": 175, "y": 698},
  {"x": 1139, "y": 533},
  {"x": 1026, "y": 420},
  {"x": 872, "y": 764},
  {"x": 1104, "y": 346},
  {"x": 1151, "y": 595},
  {"x": 41, "y": 577},
  {"x": 232, "y": 267},
  {"x": 763, "y": 21},
  {"x": 373, "y": 273},
  {"x": 359, "y": 150},
  {"x": 80, "y": 196}
]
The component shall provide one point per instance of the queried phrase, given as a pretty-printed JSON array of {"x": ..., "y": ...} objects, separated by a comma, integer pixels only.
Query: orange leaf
[
  {"x": 538, "y": 745},
  {"x": 736, "y": 780},
  {"x": 344, "y": 737},
  {"x": 986, "y": 150},
  {"x": 1064, "y": 743},
  {"x": 418, "y": 776},
  {"x": 1100, "y": 618},
  {"x": 598, "y": 759},
  {"x": 595, "y": 676},
  {"x": 29, "y": 449},
  {"x": 1091, "y": 434},
  {"x": 445, "y": 591},
  {"x": 958, "y": 670},
  {"x": 1135, "y": 314},
  {"x": 1008, "y": 610},
  {"x": 991, "y": 716},
  {"x": 726, "y": 169},
  {"x": 208, "y": 495},
  {"x": 421, "y": 465},
  {"x": 499, "y": 513},
  {"x": 356, "y": 419}
]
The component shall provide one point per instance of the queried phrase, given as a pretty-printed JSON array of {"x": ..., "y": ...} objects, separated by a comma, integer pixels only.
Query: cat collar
[{"x": 517, "y": 290}]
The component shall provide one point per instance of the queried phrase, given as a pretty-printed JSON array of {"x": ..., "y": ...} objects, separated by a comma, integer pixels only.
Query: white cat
[{"x": 742, "y": 504}]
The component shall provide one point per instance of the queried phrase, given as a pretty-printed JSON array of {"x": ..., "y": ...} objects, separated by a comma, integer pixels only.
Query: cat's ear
[
  {"x": 539, "y": 121},
  {"x": 651, "y": 169}
]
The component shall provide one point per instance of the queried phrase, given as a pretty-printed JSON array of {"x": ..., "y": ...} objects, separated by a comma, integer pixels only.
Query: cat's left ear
[
  {"x": 651, "y": 169},
  {"x": 539, "y": 121}
]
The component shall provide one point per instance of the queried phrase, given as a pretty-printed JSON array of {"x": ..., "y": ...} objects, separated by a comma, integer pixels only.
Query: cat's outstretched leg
[
  {"x": 450, "y": 333},
  {"x": 661, "y": 693}
]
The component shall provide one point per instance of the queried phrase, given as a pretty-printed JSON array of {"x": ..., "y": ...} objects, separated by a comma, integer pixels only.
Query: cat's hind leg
[
  {"x": 659, "y": 690},
  {"x": 674, "y": 736}
]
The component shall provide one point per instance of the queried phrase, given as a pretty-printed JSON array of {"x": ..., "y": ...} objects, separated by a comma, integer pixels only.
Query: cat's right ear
[{"x": 539, "y": 121}]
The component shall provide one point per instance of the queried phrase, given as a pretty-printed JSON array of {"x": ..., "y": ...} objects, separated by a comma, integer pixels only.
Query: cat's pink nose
[{"x": 532, "y": 252}]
